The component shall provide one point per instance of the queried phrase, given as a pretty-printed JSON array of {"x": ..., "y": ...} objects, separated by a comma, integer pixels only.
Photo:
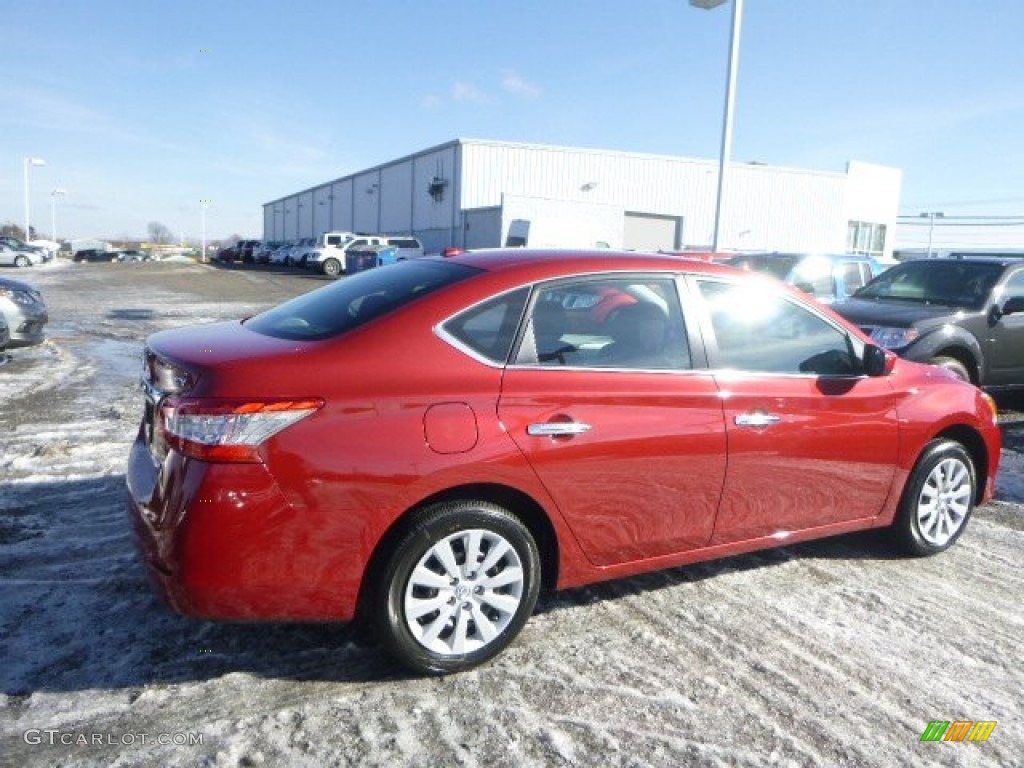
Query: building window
[{"x": 865, "y": 238}]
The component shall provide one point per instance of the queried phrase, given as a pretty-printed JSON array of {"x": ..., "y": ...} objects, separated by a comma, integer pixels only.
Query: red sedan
[{"x": 424, "y": 445}]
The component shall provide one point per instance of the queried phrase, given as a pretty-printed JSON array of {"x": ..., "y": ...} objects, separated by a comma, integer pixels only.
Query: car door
[
  {"x": 812, "y": 442},
  {"x": 603, "y": 399},
  {"x": 1006, "y": 337}
]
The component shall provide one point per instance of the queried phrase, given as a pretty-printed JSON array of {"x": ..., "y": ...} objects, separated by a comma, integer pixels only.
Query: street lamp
[
  {"x": 730, "y": 97},
  {"x": 29, "y": 161},
  {"x": 53, "y": 212},
  {"x": 932, "y": 216},
  {"x": 202, "y": 256}
]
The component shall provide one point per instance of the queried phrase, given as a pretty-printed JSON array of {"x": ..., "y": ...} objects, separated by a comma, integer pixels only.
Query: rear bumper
[{"x": 220, "y": 541}]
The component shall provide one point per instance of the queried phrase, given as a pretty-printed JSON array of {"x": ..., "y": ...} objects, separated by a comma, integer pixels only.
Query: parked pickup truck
[{"x": 966, "y": 315}]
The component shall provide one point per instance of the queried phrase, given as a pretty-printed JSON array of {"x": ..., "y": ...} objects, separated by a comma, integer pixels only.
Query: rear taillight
[{"x": 228, "y": 430}]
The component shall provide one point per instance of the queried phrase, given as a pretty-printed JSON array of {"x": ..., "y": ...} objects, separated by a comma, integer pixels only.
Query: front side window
[
  {"x": 759, "y": 331},
  {"x": 625, "y": 322}
]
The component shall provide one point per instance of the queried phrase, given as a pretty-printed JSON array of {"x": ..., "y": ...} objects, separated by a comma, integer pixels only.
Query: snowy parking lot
[{"x": 837, "y": 652}]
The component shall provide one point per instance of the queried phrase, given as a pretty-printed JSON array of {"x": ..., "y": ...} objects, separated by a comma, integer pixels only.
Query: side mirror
[
  {"x": 877, "y": 362},
  {"x": 1013, "y": 305}
]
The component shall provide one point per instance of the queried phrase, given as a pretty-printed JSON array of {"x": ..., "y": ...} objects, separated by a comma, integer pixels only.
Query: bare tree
[
  {"x": 158, "y": 233},
  {"x": 13, "y": 230}
]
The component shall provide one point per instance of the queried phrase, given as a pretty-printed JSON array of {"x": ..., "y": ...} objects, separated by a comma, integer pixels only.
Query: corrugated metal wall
[{"x": 766, "y": 207}]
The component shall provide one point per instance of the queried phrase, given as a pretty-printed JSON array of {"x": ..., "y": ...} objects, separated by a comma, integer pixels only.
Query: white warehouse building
[{"x": 480, "y": 194}]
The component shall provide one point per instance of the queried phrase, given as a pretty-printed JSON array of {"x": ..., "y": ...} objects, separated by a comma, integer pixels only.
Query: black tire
[
  {"x": 938, "y": 499},
  {"x": 452, "y": 636},
  {"x": 954, "y": 366},
  {"x": 21, "y": 261},
  {"x": 331, "y": 267}
]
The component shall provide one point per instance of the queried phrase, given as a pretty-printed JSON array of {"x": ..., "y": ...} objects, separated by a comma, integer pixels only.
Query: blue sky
[{"x": 142, "y": 109}]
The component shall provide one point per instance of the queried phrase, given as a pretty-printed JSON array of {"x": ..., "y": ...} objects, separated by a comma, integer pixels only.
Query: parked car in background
[
  {"x": 5, "y": 334},
  {"x": 15, "y": 257},
  {"x": 227, "y": 254},
  {"x": 50, "y": 248},
  {"x": 247, "y": 250},
  {"x": 826, "y": 277},
  {"x": 332, "y": 262},
  {"x": 37, "y": 253},
  {"x": 96, "y": 254},
  {"x": 964, "y": 315},
  {"x": 409, "y": 247},
  {"x": 280, "y": 253},
  {"x": 24, "y": 311},
  {"x": 297, "y": 254},
  {"x": 422, "y": 446},
  {"x": 265, "y": 250},
  {"x": 327, "y": 245},
  {"x": 133, "y": 254}
]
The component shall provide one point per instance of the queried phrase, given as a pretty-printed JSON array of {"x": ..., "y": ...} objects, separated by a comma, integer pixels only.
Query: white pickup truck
[{"x": 328, "y": 255}]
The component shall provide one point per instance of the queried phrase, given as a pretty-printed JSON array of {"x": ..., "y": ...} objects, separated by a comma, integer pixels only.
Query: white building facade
[{"x": 477, "y": 194}]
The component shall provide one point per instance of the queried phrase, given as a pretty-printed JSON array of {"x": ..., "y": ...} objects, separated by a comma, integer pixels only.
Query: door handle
[
  {"x": 756, "y": 419},
  {"x": 557, "y": 429}
]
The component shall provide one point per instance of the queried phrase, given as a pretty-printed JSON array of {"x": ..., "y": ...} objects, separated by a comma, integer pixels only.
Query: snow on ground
[{"x": 832, "y": 653}]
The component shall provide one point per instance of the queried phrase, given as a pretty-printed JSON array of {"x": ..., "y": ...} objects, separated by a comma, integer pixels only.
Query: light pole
[
  {"x": 932, "y": 216},
  {"x": 53, "y": 212},
  {"x": 202, "y": 255},
  {"x": 29, "y": 161},
  {"x": 730, "y": 98}
]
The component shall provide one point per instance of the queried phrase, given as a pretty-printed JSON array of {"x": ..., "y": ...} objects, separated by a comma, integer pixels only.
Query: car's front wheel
[
  {"x": 21, "y": 261},
  {"x": 332, "y": 267},
  {"x": 938, "y": 499},
  {"x": 954, "y": 366},
  {"x": 457, "y": 588}
]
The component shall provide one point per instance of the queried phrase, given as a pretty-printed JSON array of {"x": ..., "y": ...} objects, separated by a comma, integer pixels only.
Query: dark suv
[{"x": 965, "y": 315}]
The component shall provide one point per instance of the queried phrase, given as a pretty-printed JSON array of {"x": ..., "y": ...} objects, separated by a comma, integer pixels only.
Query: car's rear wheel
[
  {"x": 332, "y": 267},
  {"x": 938, "y": 499},
  {"x": 457, "y": 588},
  {"x": 954, "y": 366},
  {"x": 21, "y": 261}
]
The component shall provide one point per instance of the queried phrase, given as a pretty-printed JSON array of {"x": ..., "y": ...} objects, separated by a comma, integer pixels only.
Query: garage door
[{"x": 650, "y": 232}]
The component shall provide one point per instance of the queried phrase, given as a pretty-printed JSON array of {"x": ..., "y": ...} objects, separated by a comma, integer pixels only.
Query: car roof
[
  {"x": 17, "y": 285},
  {"x": 550, "y": 261},
  {"x": 1005, "y": 262}
]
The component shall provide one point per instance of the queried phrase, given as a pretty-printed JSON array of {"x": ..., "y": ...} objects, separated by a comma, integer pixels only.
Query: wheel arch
[
  {"x": 974, "y": 444},
  {"x": 521, "y": 505}
]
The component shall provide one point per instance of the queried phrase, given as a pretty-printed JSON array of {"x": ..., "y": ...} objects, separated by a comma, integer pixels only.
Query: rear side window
[
  {"x": 488, "y": 329},
  {"x": 354, "y": 301},
  {"x": 403, "y": 242}
]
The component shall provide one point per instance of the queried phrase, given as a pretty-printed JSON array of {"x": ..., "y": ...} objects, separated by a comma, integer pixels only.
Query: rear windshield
[
  {"x": 950, "y": 282},
  {"x": 354, "y": 301}
]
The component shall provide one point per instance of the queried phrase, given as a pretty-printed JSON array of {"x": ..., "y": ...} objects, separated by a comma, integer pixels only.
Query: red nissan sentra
[{"x": 424, "y": 445}]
